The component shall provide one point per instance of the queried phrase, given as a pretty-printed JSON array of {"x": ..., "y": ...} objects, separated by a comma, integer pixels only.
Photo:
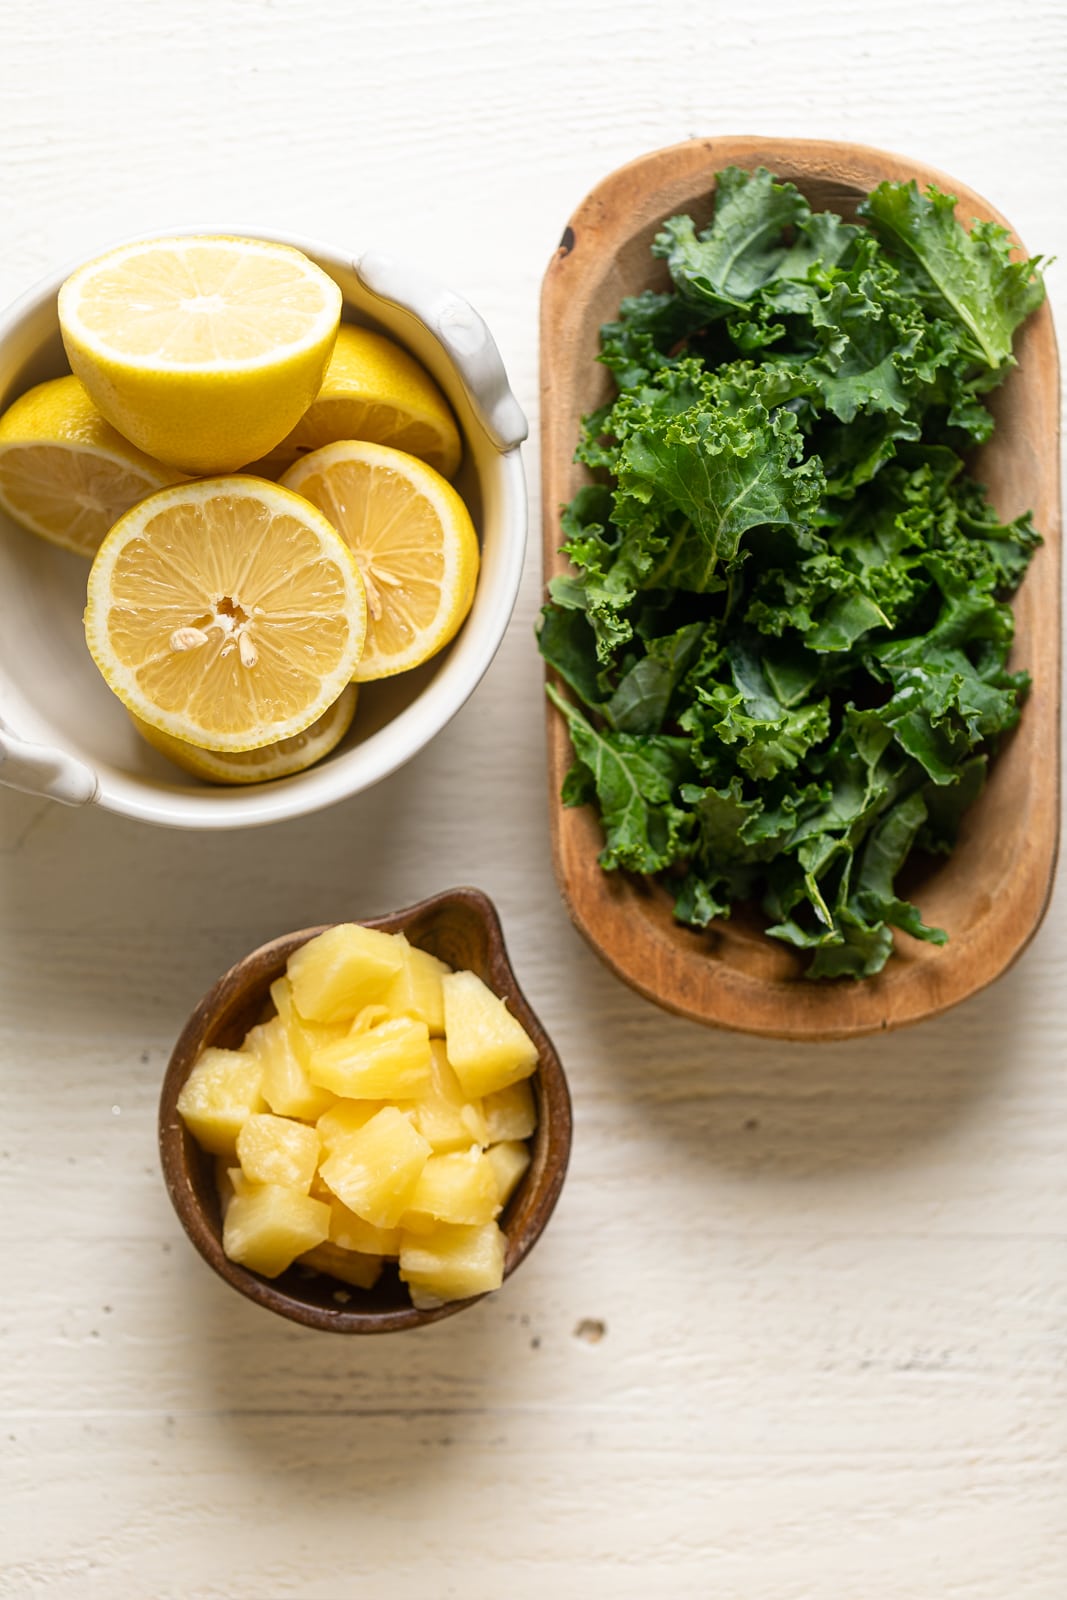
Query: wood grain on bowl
[
  {"x": 460, "y": 927},
  {"x": 991, "y": 893}
]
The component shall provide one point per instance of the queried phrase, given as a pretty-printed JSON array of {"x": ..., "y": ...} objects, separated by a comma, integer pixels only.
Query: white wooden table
[{"x": 799, "y": 1327}]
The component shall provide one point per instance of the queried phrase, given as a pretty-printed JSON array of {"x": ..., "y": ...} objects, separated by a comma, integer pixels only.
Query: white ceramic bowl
[{"x": 62, "y": 732}]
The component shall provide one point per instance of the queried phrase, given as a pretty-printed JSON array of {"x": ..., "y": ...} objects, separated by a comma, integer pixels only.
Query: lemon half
[
  {"x": 204, "y": 351},
  {"x": 227, "y": 613},
  {"x": 374, "y": 390},
  {"x": 65, "y": 473},
  {"x": 270, "y": 761},
  {"x": 414, "y": 544}
]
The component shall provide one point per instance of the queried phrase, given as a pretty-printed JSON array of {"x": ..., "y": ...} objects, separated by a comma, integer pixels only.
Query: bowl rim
[
  {"x": 178, "y": 804},
  {"x": 550, "y": 1143}
]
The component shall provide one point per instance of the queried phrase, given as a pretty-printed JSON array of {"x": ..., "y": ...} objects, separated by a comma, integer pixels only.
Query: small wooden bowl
[
  {"x": 460, "y": 927},
  {"x": 991, "y": 893}
]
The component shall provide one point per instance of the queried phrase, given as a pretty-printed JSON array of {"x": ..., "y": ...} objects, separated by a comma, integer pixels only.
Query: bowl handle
[
  {"x": 42, "y": 770},
  {"x": 461, "y": 332}
]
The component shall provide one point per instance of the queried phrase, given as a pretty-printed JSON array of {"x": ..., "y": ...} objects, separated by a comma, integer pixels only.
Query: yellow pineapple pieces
[
  {"x": 269, "y": 1226},
  {"x": 344, "y": 969},
  {"x": 443, "y": 1114},
  {"x": 278, "y": 1150},
  {"x": 380, "y": 1114},
  {"x": 221, "y": 1092},
  {"x": 487, "y": 1048},
  {"x": 389, "y": 1061},
  {"x": 374, "y": 1172},
  {"x": 361, "y": 1271},
  {"x": 350, "y": 1232},
  {"x": 287, "y": 1089},
  {"x": 509, "y": 1161},
  {"x": 344, "y": 1117},
  {"x": 510, "y": 1113},
  {"x": 459, "y": 1187},
  {"x": 452, "y": 1263},
  {"x": 416, "y": 989}
]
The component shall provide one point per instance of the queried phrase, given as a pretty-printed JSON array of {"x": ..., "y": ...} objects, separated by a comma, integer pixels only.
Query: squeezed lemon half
[
  {"x": 205, "y": 350},
  {"x": 227, "y": 613},
  {"x": 413, "y": 541},
  {"x": 66, "y": 474}
]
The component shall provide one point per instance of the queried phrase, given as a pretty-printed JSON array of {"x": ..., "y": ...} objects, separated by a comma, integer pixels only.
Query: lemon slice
[
  {"x": 270, "y": 761},
  {"x": 204, "y": 351},
  {"x": 65, "y": 474},
  {"x": 413, "y": 541},
  {"x": 374, "y": 390},
  {"x": 226, "y": 613}
]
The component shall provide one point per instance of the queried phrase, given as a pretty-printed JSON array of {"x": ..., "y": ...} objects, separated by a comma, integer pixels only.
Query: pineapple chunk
[
  {"x": 238, "y": 1182},
  {"x": 350, "y": 1232},
  {"x": 487, "y": 1048},
  {"x": 276, "y": 1150},
  {"x": 460, "y": 1187},
  {"x": 389, "y": 1061},
  {"x": 374, "y": 1171},
  {"x": 510, "y": 1113},
  {"x": 345, "y": 1117},
  {"x": 218, "y": 1096},
  {"x": 361, "y": 1271},
  {"x": 304, "y": 1036},
  {"x": 229, "y": 1181},
  {"x": 416, "y": 989},
  {"x": 452, "y": 1263},
  {"x": 369, "y": 1017},
  {"x": 281, "y": 992},
  {"x": 287, "y": 1089},
  {"x": 443, "y": 1114},
  {"x": 509, "y": 1161},
  {"x": 345, "y": 968},
  {"x": 266, "y": 1229}
]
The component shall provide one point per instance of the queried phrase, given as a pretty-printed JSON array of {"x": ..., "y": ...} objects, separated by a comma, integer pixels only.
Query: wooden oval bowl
[
  {"x": 991, "y": 893},
  {"x": 460, "y": 927}
]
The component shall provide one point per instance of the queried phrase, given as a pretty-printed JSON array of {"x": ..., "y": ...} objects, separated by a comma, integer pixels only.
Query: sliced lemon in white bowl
[
  {"x": 63, "y": 733},
  {"x": 373, "y": 390},
  {"x": 65, "y": 473},
  {"x": 414, "y": 544},
  {"x": 203, "y": 350},
  {"x": 227, "y": 613},
  {"x": 267, "y": 762}
]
